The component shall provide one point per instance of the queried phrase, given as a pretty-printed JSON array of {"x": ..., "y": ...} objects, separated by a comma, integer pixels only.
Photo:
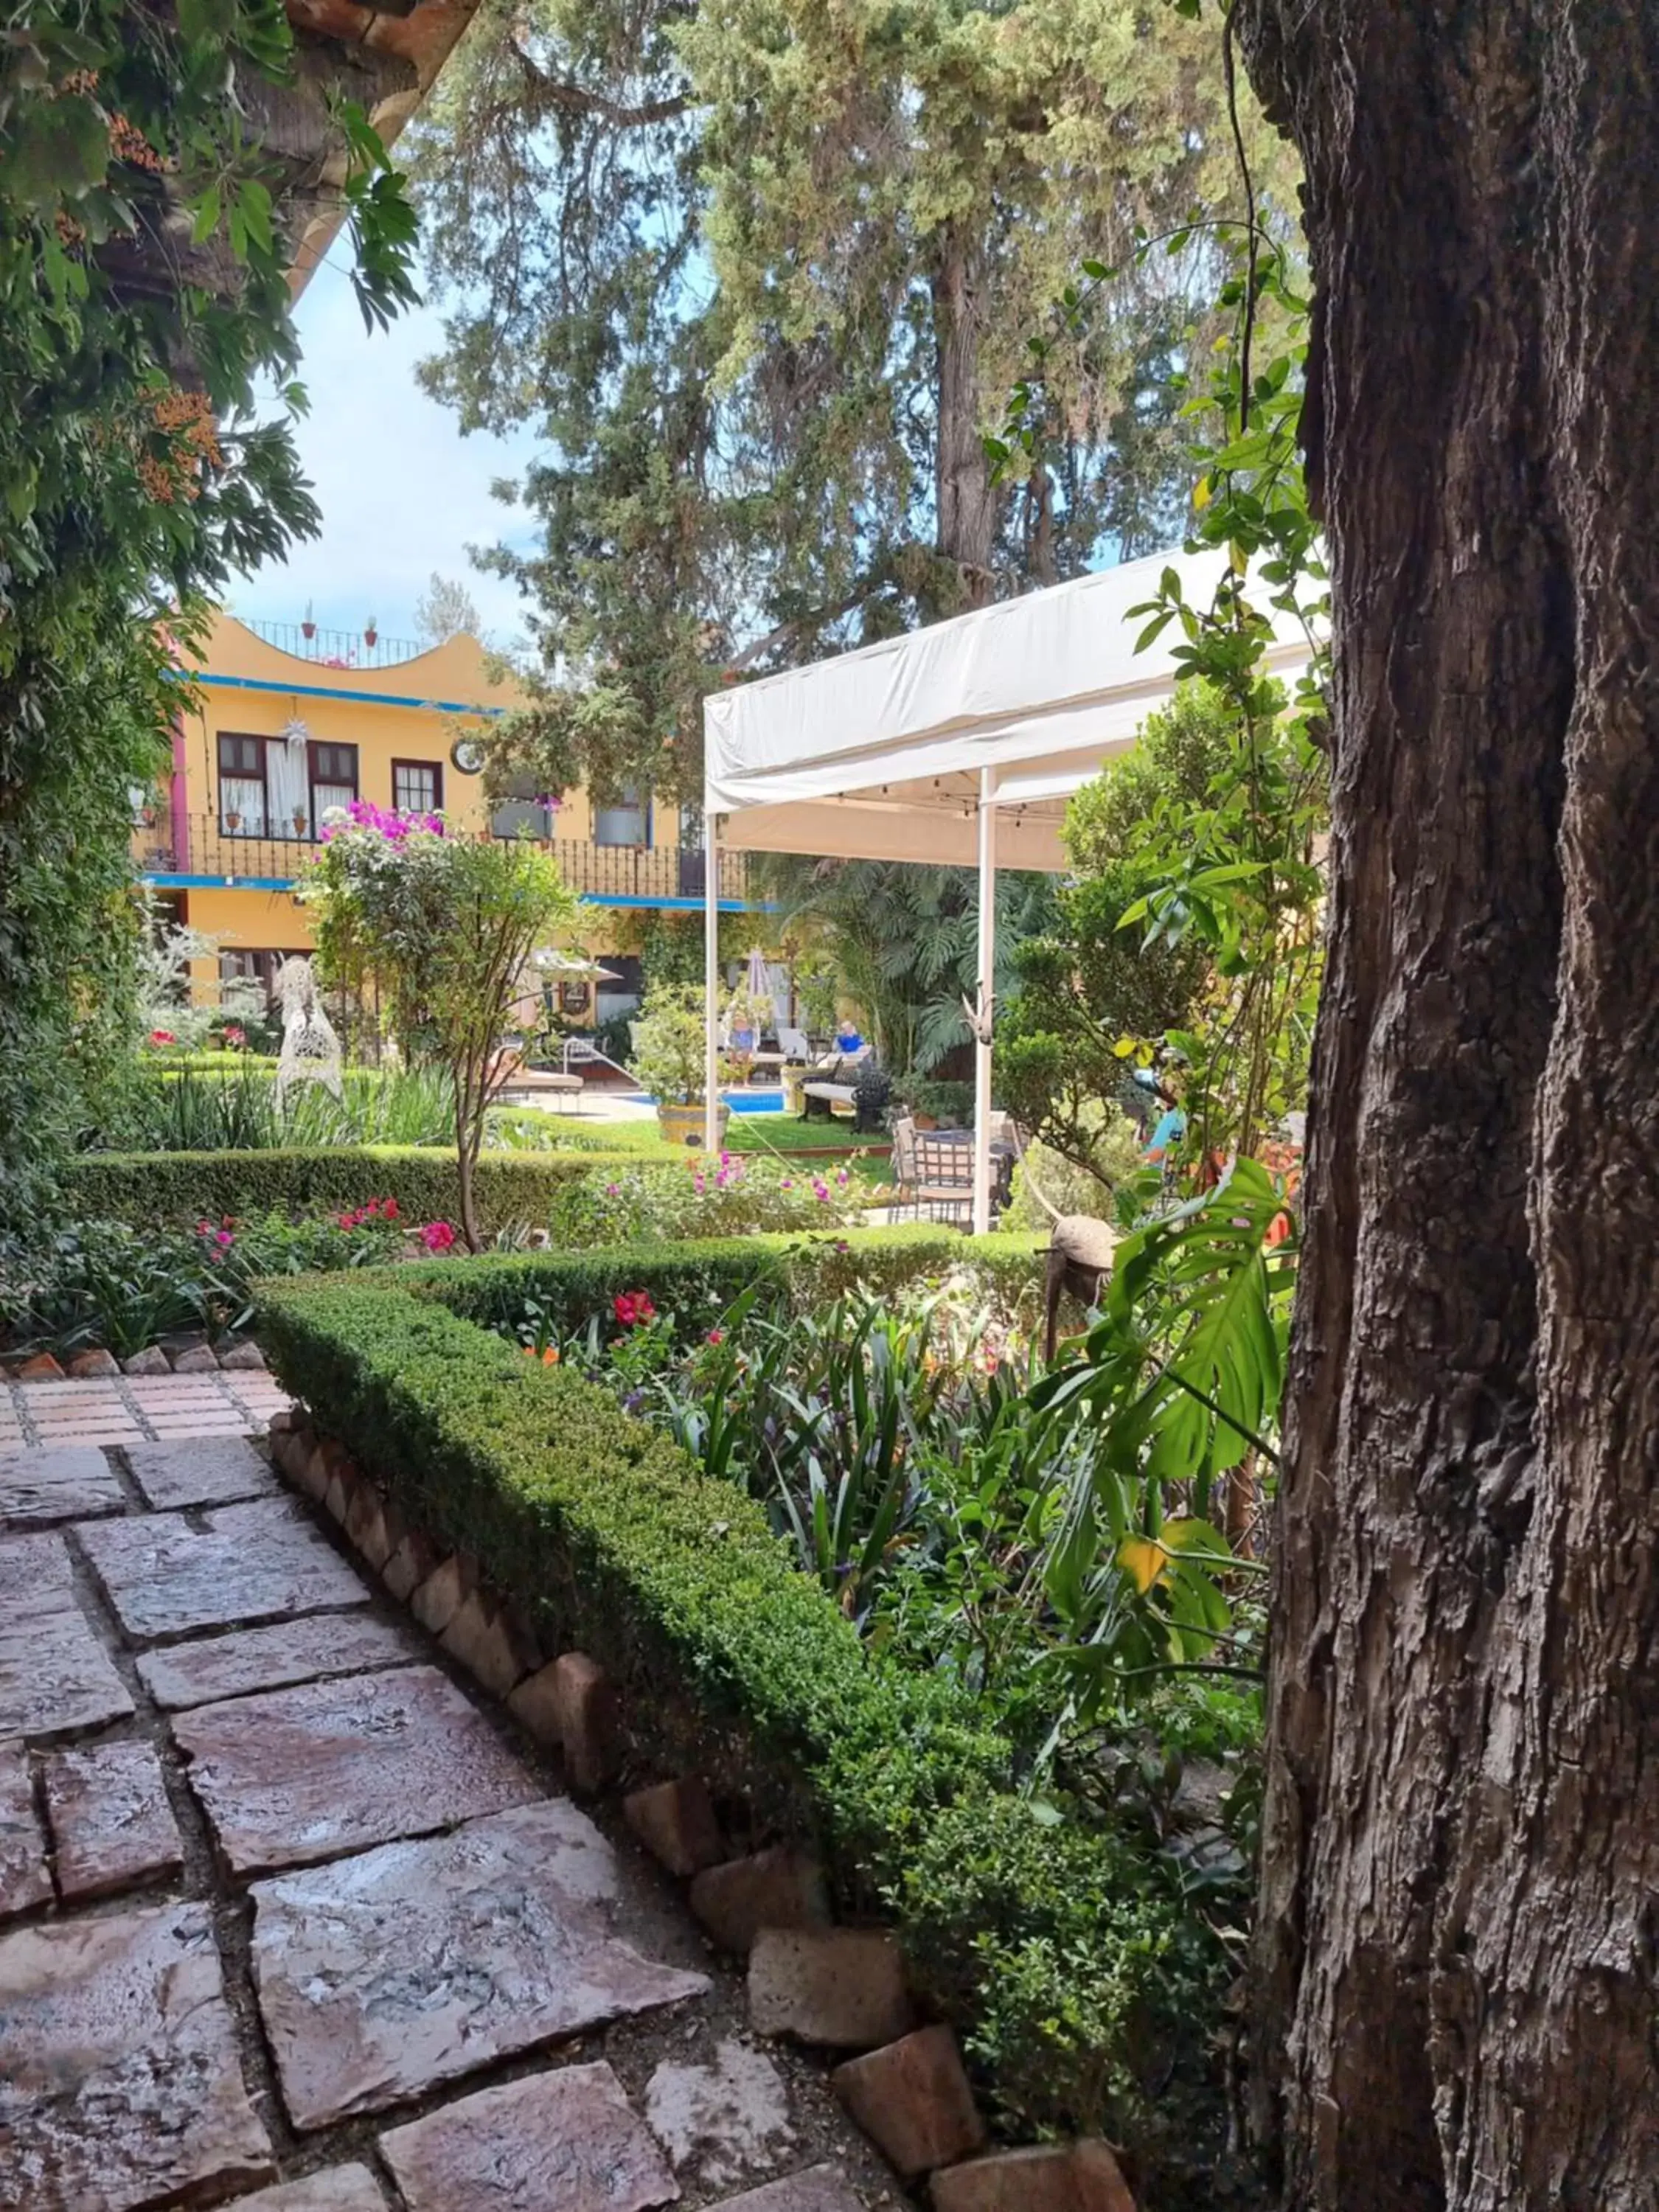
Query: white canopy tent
[{"x": 960, "y": 743}]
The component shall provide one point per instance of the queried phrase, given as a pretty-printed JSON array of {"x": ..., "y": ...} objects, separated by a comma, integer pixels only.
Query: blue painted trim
[
  {"x": 222, "y": 883},
  {"x": 588, "y": 898},
  {"x": 671, "y": 905},
  {"x": 331, "y": 691}
]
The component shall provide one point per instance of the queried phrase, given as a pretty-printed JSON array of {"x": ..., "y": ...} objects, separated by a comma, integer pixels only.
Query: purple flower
[{"x": 613, "y": 1189}]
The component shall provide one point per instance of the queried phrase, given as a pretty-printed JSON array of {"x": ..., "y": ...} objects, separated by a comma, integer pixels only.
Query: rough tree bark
[
  {"x": 1459, "y": 1928},
  {"x": 966, "y": 496}
]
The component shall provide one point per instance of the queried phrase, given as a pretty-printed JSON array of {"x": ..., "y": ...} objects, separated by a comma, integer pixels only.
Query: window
[
  {"x": 417, "y": 786},
  {"x": 242, "y": 808},
  {"x": 625, "y": 822},
  {"x": 240, "y": 966},
  {"x": 522, "y": 813},
  {"x": 333, "y": 779}
]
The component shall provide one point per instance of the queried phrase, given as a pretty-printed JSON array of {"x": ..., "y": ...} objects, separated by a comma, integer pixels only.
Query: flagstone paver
[
  {"x": 196, "y": 1688},
  {"x": 24, "y": 1879},
  {"x": 55, "y": 1675},
  {"x": 819, "y": 2189},
  {"x": 567, "y": 2141},
  {"x": 65, "y": 1482},
  {"x": 199, "y": 1471},
  {"x": 294, "y": 1776},
  {"x": 382, "y": 1975},
  {"x": 256, "y": 1562},
  {"x": 120, "y": 2081},
  {"x": 212, "y": 1667},
  {"x": 112, "y": 1824},
  {"x": 336, "y": 2188}
]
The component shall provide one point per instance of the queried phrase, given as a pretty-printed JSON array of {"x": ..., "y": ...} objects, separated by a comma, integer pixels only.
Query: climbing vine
[{"x": 144, "y": 293}]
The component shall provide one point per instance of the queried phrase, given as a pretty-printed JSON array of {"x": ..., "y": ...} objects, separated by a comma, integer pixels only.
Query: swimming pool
[{"x": 740, "y": 1102}]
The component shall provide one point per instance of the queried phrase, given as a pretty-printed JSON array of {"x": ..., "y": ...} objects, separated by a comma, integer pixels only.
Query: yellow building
[{"x": 294, "y": 720}]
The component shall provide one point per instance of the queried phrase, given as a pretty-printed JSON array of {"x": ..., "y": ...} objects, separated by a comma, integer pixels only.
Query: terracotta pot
[
  {"x": 684, "y": 1125},
  {"x": 307, "y": 630}
]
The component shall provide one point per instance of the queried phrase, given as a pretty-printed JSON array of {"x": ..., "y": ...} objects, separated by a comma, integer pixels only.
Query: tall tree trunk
[
  {"x": 1459, "y": 1924},
  {"x": 966, "y": 497}
]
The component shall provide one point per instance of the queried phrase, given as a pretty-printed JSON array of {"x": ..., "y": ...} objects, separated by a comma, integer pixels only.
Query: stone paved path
[{"x": 291, "y": 1919}]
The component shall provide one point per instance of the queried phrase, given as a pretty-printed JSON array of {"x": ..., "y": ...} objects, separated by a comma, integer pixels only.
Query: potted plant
[
  {"x": 308, "y": 626},
  {"x": 232, "y": 819},
  {"x": 300, "y": 818},
  {"x": 669, "y": 1060},
  {"x": 371, "y": 632}
]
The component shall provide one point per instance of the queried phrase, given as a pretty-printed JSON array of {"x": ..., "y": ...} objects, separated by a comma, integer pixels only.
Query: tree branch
[{"x": 576, "y": 100}]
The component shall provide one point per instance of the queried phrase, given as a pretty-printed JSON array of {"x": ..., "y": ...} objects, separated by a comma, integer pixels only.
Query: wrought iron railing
[
  {"x": 336, "y": 648},
  {"x": 212, "y": 848}
]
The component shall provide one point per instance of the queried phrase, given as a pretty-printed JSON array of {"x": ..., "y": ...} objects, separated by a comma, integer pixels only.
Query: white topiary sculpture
[{"x": 311, "y": 1050}]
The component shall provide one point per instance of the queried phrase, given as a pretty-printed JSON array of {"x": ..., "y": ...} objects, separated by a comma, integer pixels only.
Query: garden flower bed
[{"x": 1046, "y": 1919}]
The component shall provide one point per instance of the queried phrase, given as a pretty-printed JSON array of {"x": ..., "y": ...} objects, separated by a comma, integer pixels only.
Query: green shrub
[
  {"x": 1037, "y": 1930},
  {"x": 699, "y": 1279},
  {"x": 704, "y": 1195},
  {"x": 151, "y": 1186}
]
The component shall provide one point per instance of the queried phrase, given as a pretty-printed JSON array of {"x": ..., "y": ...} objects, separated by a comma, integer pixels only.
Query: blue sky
[{"x": 402, "y": 492}]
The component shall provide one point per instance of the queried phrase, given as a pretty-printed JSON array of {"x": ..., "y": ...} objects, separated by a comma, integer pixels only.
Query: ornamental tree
[
  {"x": 446, "y": 926},
  {"x": 760, "y": 273}
]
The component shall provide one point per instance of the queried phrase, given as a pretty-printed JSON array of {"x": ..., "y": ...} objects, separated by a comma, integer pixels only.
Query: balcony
[
  {"x": 621, "y": 875},
  {"x": 335, "y": 648}
]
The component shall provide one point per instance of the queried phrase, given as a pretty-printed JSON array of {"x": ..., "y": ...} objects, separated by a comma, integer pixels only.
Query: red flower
[
  {"x": 631, "y": 1307},
  {"x": 717, "y": 1336},
  {"x": 437, "y": 1236},
  {"x": 1277, "y": 1229},
  {"x": 162, "y": 1037}
]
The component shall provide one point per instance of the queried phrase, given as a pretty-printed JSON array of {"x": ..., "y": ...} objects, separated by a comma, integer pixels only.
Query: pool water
[{"x": 740, "y": 1102}]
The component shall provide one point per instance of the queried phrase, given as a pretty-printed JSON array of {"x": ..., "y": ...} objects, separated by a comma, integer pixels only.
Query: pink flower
[
  {"x": 437, "y": 1236},
  {"x": 633, "y": 1306},
  {"x": 611, "y": 1189},
  {"x": 162, "y": 1037},
  {"x": 698, "y": 1185},
  {"x": 717, "y": 1336},
  {"x": 235, "y": 1038},
  {"x": 223, "y": 1239}
]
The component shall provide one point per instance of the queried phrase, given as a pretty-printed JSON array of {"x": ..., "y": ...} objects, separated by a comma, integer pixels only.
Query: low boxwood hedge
[
  {"x": 1035, "y": 1925},
  {"x": 144, "y": 1187},
  {"x": 695, "y": 1275}
]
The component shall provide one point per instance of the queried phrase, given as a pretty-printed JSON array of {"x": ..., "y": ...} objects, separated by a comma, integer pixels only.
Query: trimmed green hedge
[
  {"x": 142, "y": 1186},
  {"x": 698, "y": 1274},
  {"x": 1042, "y": 1933}
]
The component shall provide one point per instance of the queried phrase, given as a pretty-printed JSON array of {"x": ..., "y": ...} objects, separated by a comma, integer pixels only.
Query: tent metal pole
[
  {"x": 711, "y": 982},
  {"x": 987, "y": 965}
]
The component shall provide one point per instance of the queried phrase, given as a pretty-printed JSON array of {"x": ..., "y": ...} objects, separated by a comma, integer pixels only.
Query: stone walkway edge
[
  {"x": 294, "y": 1916},
  {"x": 828, "y": 1988}
]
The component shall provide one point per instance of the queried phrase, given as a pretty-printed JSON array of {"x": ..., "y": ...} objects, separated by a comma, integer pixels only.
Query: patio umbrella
[{"x": 573, "y": 963}]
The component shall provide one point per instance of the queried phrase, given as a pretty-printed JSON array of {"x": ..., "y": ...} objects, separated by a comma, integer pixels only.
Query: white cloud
[{"x": 402, "y": 492}]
